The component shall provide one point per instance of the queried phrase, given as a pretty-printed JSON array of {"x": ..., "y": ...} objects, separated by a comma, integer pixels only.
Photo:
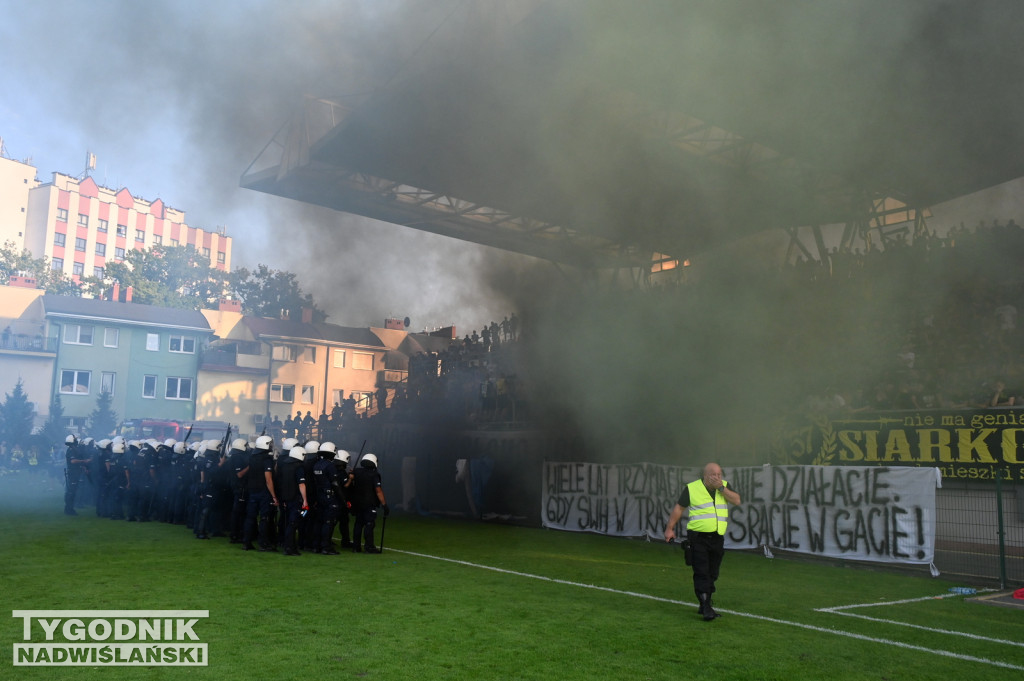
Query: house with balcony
[
  {"x": 146, "y": 357},
  {"x": 257, "y": 367},
  {"x": 27, "y": 350}
]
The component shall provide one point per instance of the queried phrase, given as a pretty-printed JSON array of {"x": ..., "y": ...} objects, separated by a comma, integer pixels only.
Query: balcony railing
[{"x": 21, "y": 342}]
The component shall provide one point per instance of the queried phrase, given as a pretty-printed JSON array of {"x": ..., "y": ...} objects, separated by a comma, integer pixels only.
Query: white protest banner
[{"x": 871, "y": 513}]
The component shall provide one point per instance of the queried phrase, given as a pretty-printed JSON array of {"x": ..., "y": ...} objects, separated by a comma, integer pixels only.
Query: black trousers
[{"x": 708, "y": 551}]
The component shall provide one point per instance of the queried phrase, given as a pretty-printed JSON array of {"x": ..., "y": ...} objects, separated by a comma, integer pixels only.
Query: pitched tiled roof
[
  {"x": 131, "y": 313},
  {"x": 331, "y": 333}
]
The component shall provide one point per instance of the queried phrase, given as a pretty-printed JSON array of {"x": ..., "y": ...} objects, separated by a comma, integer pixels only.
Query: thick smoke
[
  {"x": 666, "y": 377},
  {"x": 178, "y": 98}
]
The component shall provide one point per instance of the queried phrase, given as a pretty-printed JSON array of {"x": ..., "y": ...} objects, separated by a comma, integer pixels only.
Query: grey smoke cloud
[{"x": 177, "y": 98}]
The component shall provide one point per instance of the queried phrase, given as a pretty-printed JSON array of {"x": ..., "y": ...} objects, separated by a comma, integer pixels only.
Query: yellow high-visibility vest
[{"x": 706, "y": 514}]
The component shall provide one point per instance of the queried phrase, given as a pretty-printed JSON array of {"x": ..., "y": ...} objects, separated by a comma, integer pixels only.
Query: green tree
[
  {"x": 103, "y": 419},
  {"x": 167, "y": 276},
  {"x": 15, "y": 262},
  {"x": 268, "y": 293},
  {"x": 17, "y": 415},
  {"x": 54, "y": 431}
]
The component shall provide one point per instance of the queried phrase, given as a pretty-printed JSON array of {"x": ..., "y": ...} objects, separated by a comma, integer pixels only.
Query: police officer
[
  {"x": 141, "y": 481},
  {"x": 306, "y": 538},
  {"x": 259, "y": 481},
  {"x": 210, "y": 461},
  {"x": 704, "y": 503},
  {"x": 238, "y": 465},
  {"x": 327, "y": 504},
  {"x": 367, "y": 494},
  {"x": 117, "y": 476},
  {"x": 341, "y": 460},
  {"x": 100, "y": 465},
  {"x": 163, "y": 504},
  {"x": 76, "y": 462},
  {"x": 292, "y": 495}
]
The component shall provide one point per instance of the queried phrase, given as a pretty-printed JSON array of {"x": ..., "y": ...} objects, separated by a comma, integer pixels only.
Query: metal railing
[
  {"x": 980, "y": 530},
  {"x": 26, "y": 343}
]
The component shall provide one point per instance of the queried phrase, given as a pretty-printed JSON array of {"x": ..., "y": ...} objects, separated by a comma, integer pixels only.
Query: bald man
[{"x": 704, "y": 503}]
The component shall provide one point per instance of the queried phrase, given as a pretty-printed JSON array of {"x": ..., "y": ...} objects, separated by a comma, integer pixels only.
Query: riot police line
[{"x": 266, "y": 498}]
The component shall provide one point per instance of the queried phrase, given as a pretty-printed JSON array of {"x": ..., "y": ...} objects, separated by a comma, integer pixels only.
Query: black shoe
[
  {"x": 329, "y": 552},
  {"x": 248, "y": 547},
  {"x": 267, "y": 549},
  {"x": 70, "y": 511},
  {"x": 347, "y": 544},
  {"x": 372, "y": 549},
  {"x": 292, "y": 552},
  {"x": 356, "y": 549}
]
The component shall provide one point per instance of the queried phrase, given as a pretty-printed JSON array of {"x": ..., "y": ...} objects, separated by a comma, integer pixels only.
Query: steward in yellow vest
[{"x": 704, "y": 502}]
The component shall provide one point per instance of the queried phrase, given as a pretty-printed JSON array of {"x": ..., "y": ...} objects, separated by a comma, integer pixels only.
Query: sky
[{"x": 177, "y": 97}]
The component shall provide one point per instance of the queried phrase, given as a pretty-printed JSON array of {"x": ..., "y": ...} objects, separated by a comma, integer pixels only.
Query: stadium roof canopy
[{"x": 598, "y": 132}]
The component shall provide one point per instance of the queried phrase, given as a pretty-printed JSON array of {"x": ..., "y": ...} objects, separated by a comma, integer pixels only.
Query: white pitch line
[
  {"x": 811, "y": 627},
  {"x": 838, "y": 610}
]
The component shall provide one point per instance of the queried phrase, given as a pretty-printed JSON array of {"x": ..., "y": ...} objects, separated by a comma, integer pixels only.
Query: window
[
  {"x": 59, "y": 239},
  {"x": 97, "y": 272},
  {"x": 101, "y": 249},
  {"x": 140, "y": 235},
  {"x": 80, "y": 245},
  {"x": 307, "y": 394},
  {"x": 282, "y": 393},
  {"x": 107, "y": 382},
  {"x": 174, "y": 242},
  {"x": 339, "y": 359},
  {"x": 83, "y": 220},
  {"x": 110, "y": 336},
  {"x": 57, "y": 264},
  {"x": 206, "y": 252},
  {"x": 62, "y": 214},
  {"x": 78, "y": 268},
  {"x": 153, "y": 342},
  {"x": 118, "y": 253},
  {"x": 103, "y": 225},
  {"x": 285, "y": 353},
  {"x": 221, "y": 257},
  {"x": 309, "y": 354},
  {"x": 122, "y": 230},
  {"x": 182, "y": 344},
  {"x": 158, "y": 239},
  {"x": 362, "y": 360},
  {"x": 178, "y": 388},
  {"x": 149, "y": 385},
  {"x": 74, "y": 382},
  {"x": 339, "y": 396},
  {"x": 362, "y": 400},
  {"x": 78, "y": 334}
]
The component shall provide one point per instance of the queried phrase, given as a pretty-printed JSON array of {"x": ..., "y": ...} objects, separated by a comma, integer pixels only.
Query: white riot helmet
[
  {"x": 298, "y": 453},
  {"x": 169, "y": 443},
  {"x": 312, "y": 447},
  {"x": 240, "y": 443},
  {"x": 264, "y": 442},
  {"x": 179, "y": 447},
  {"x": 117, "y": 447},
  {"x": 87, "y": 441},
  {"x": 288, "y": 443},
  {"x": 369, "y": 459},
  {"x": 70, "y": 440},
  {"x": 153, "y": 443},
  {"x": 327, "y": 447},
  {"x": 213, "y": 446},
  {"x": 104, "y": 443},
  {"x": 342, "y": 456}
]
